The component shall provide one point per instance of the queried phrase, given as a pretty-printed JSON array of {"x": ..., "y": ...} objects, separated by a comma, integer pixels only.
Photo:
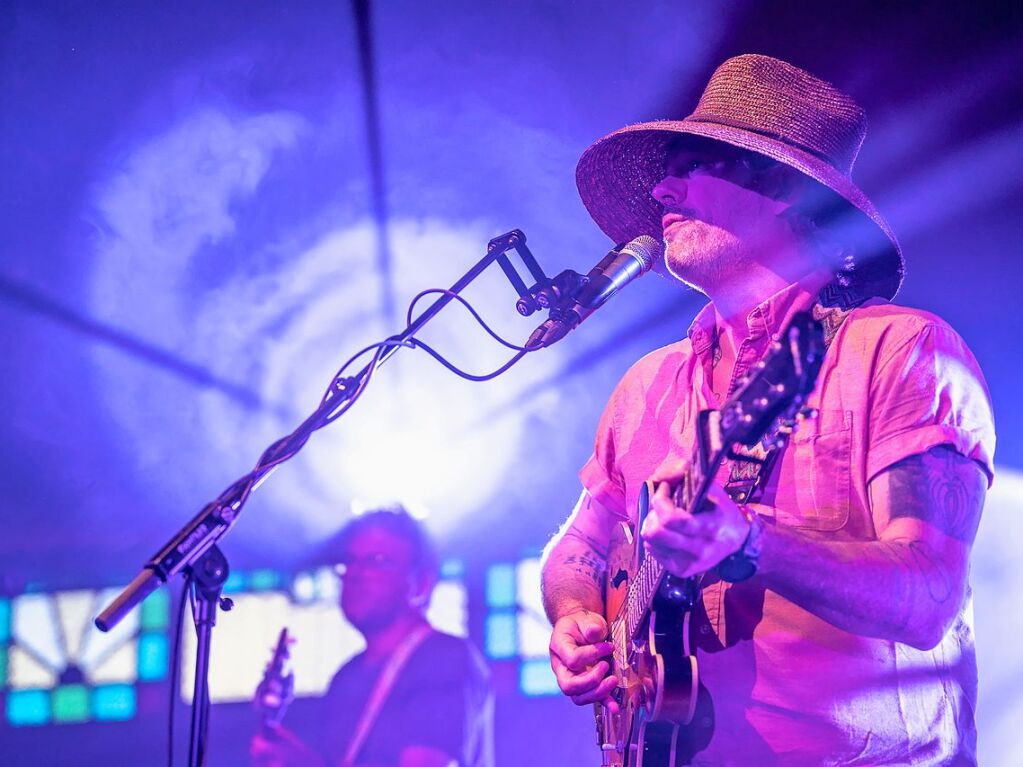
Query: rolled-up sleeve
[{"x": 929, "y": 391}]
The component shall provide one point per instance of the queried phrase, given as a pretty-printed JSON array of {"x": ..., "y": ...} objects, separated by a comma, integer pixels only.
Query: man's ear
[{"x": 420, "y": 589}]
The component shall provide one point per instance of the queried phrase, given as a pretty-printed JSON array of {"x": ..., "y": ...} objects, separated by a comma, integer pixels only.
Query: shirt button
[{"x": 705, "y": 629}]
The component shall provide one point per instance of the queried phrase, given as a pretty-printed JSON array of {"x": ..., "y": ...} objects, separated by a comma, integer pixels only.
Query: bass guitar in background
[{"x": 276, "y": 690}]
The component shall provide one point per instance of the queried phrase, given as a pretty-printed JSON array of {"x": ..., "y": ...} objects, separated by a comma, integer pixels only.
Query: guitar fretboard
[{"x": 648, "y": 578}]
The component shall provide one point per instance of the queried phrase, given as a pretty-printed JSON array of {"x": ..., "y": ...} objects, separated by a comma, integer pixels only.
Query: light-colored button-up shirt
[{"x": 787, "y": 687}]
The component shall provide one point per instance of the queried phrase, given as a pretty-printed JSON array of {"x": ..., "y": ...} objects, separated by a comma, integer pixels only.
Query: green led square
[
  {"x": 155, "y": 610},
  {"x": 71, "y": 703},
  {"x": 5, "y": 620}
]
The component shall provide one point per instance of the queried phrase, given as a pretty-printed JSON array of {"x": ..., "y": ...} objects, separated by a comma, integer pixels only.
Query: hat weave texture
[{"x": 762, "y": 105}]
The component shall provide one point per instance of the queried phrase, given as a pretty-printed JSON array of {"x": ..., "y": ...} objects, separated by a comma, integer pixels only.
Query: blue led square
[
  {"x": 154, "y": 657},
  {"x": 537, "y": 678},
  {"x": 5, "y": 620},
  {"x": 452, "y": 568},
  {"x": 501, "y": 585},
  {"x": 114, "y": 702},
  {"x": 265, "y": 580},
  {"x": 235, "y": 582},
  {"x": 501, "y": 638},
  {"x": 26, "y": 708}
]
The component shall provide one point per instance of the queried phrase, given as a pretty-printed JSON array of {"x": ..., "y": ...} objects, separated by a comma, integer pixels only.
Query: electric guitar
[
  {"x": 276, "y": 691},
  {"x": 647, "y": 608}
]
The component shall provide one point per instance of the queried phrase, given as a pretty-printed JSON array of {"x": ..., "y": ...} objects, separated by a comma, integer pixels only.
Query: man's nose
[{"x": 670, "y": 191}]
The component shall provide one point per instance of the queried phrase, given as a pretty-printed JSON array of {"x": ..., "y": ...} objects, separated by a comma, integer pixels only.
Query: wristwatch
[{"x": 743, "y": 563}]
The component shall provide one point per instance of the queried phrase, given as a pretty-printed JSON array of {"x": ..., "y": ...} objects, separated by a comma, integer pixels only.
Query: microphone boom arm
[{"x": 211, "y": 524}]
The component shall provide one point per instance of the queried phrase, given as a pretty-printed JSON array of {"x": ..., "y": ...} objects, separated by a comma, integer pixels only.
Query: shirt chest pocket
[{"x": 815, "y": 486}]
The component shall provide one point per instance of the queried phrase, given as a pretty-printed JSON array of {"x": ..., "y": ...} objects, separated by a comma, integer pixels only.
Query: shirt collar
[{"x": 767, "y": 318}]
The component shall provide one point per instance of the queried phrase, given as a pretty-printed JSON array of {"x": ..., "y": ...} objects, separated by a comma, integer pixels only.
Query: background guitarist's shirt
[
  {"x": 788, "y": 687},
  {"x": 441, "y": 699}
]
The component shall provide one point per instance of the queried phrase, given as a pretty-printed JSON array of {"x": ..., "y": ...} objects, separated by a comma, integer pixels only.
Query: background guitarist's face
[{"x": 380, "y": 581}]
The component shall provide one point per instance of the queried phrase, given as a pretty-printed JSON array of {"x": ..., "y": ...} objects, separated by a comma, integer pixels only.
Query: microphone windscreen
[{"x": 645, "y": 248}]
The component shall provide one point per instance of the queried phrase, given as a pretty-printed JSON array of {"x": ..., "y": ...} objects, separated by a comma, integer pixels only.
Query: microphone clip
[{"x": 556, "y": 293}]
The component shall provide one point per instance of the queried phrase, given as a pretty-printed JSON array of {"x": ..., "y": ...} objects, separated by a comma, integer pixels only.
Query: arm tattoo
[
  {"x": 596, "y": 546},
  {"x": 920, "y": 564},
  {"x": 939, "y": 585},
  {"x": 573, "y": 571},
  {"x": 587, "y": 565},
  {"x": 940, "y": 487}
]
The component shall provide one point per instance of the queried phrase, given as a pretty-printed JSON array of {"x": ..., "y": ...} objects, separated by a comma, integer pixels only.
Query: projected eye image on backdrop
[{"x": 207, "y": 209}]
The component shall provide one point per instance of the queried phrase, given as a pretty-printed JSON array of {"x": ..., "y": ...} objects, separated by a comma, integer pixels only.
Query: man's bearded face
[{"x": 713, "y": 216}]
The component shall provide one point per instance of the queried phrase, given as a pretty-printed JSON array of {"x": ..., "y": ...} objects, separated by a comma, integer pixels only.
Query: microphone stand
[{"x": 193, "y": 549}]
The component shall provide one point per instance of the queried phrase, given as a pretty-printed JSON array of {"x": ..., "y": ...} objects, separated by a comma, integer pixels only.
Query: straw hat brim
[{"x": 616, "y": 174}]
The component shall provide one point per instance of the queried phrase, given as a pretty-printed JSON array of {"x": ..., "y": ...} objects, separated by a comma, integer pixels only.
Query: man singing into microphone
[{"x": 834, "y": 621}]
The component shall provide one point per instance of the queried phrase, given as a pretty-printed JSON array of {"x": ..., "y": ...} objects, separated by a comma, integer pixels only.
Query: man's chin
[
  {"x": 366, "y": 621},
  {"x": 683, "y": 271}
]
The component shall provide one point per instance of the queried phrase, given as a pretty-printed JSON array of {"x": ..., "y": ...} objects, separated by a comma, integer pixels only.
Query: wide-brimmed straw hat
[{"x": 765, "y": 106}]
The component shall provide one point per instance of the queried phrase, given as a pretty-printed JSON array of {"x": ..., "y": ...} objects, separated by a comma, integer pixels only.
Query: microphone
[{"x": 616, "y": 270}]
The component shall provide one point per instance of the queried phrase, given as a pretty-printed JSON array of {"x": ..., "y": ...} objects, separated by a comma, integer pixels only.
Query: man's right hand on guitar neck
[{"x": 579, "y": 650}]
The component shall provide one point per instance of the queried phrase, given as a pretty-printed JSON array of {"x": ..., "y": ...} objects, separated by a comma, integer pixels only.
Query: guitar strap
[
  {"x": 750, "y": 467},
  {"x": 381, "y": 691}
]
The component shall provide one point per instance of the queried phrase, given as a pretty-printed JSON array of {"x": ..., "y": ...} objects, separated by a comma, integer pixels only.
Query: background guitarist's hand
[
  {"x": 688, "y": 544},
  {"x": 579, "y": 648}
]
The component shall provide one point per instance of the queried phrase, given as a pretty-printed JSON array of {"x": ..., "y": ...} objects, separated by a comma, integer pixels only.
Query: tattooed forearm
[
  {"x": 933, "y": 572},
  {"x": 894, "y": 590},
  {"x": 574, "y": 566},
  {"x": 909, "y": 584},
  {"x": 920, "y": 573},
  {"x": 573, "y": 577}
]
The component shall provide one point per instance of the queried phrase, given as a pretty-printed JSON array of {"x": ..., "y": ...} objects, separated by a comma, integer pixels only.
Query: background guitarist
[
  {"x": 415, "y": 697},
  {"x": 852, "y": 642}
]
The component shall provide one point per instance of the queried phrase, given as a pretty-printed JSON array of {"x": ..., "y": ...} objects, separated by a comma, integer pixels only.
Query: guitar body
[{"x": 657, "y": 671}]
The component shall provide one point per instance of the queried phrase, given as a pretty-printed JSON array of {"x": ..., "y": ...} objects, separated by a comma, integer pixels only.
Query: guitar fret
[{"x": 647, "y": 581}]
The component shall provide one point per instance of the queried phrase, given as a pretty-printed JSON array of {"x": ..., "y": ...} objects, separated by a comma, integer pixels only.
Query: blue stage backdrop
[{"x": 205, "y": 208}]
